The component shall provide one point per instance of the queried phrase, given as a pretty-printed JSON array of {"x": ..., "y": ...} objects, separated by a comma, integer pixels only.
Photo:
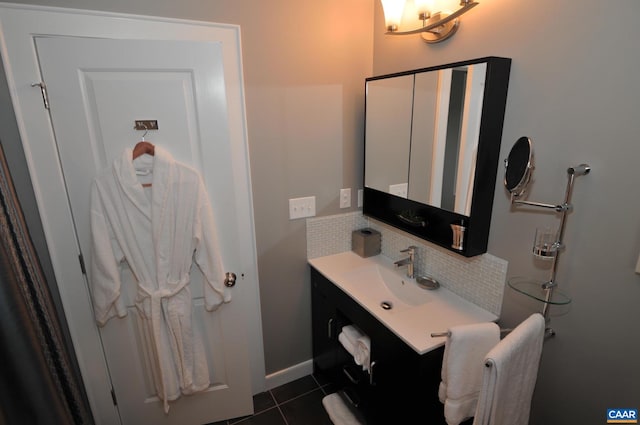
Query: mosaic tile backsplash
[{"x": 480, "y": 279}]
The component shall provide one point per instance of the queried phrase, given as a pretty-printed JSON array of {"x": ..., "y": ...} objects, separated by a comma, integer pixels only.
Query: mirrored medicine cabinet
[{"x": 432, "y": 145}]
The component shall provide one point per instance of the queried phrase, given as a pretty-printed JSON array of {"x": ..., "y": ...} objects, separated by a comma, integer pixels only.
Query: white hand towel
[
  {"x": 462, "y": 367},
  {"x": 511, "y": 374},
  {"x": 338, "y": 411}
]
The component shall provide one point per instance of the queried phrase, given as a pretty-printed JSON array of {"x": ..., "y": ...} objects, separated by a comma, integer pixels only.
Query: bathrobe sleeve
[
  {"x": 207, "y": 253},
  {"x": 104, "y": 267}
]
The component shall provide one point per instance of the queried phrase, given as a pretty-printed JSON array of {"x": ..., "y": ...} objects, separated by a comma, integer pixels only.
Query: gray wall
[{"x": 574, "y": 91}]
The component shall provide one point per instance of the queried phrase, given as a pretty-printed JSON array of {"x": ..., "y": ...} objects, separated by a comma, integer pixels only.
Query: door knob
[{"x": 229, "y": 279}]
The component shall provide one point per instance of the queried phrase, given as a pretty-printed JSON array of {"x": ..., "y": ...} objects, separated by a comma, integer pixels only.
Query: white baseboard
[{"x": 289, "y": 374}]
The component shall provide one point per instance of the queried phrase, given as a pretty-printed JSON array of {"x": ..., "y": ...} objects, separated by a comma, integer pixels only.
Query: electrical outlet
[
  {"x": 345, "y": 198},
  {"x": 302, "y": 207},
  {"x": 360, "y": 196},
  {"x": 399, "y": 189}
]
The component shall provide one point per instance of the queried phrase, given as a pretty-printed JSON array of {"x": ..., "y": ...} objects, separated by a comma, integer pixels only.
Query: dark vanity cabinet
[{"x": 402, "y": 386}]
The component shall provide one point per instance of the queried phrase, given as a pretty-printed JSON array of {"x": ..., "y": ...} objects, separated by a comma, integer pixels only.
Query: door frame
[{"x": 18, "y": 25}]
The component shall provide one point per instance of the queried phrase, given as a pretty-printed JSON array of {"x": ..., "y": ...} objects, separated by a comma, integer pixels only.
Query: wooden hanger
[{"x": 143, "y": 147}]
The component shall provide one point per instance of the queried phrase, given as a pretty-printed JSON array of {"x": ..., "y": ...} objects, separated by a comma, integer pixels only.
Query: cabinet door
[{"x": 323, "y": 330}]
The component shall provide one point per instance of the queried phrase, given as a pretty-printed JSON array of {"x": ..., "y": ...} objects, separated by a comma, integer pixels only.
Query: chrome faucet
[{"x": 411, "y": 251}]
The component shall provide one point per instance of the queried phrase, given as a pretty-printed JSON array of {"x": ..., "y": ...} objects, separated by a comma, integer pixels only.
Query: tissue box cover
[{"x": 366, "y": 242}]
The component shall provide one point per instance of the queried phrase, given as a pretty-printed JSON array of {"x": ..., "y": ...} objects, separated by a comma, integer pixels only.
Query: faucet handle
[{"x": 410, "y": 249}]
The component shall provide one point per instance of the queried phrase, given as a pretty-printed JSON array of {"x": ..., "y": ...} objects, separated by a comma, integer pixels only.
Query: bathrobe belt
[{"x": 157, "y": 321}]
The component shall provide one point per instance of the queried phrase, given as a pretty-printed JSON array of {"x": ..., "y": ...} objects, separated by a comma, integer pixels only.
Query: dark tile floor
[{"x": 296, "y": 403}]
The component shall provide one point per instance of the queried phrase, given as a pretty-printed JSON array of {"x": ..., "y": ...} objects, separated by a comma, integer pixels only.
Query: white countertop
[{"x": 412, "y": 323}]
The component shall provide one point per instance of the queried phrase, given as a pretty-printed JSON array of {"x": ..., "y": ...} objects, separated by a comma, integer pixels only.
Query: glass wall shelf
[{"x": 533, "y": 289}]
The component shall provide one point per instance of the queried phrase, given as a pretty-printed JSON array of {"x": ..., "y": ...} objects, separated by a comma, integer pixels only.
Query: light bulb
[
  {"x": 424, "y": 7},
  {"x": 393, "y": 10}
]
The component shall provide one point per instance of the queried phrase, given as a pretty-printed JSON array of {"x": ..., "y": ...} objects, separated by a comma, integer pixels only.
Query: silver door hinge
[
  {"x": 82, "y": 267},
  {"x": 45, "y": 95},
  {"x": 113, "y": 397}
]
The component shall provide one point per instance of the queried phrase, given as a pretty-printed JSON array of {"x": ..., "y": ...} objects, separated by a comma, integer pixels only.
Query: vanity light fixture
[{"x": 435, "y": 26}]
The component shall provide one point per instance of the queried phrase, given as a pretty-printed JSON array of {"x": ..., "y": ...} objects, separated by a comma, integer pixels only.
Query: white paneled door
[{"x": 96, "y": 89}]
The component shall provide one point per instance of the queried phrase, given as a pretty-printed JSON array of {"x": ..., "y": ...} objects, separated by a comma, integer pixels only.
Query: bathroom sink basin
[
  {"x": 414, "y": 314},
  {"x": 385, "y": 288}
]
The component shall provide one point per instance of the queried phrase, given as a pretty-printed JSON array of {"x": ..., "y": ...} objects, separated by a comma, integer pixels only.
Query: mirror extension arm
[
  {"x": 579, "y": 170},
  {"x": 558, "y": 208}
]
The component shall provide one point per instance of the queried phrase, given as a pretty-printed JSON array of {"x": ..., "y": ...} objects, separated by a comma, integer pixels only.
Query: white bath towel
[
  {"x": 462, "y": 367},
  {"x": 357, "y": 344},
  {"x": 346, "y": 343},
  {"x": 338, "y": 411},
  {"x": 352, "y": 333},
  {"x": 510, "y": 375},
  {"x": 362, "y": 355}
]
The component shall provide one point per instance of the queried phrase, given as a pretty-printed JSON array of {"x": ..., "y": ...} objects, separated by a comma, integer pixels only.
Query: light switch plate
[
  {"x": 345, "y": 198},
  {"x": 302, "y": 207}
]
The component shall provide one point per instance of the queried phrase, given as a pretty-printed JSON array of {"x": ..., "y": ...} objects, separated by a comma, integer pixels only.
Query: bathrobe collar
[{"x": 125, "y": 173}]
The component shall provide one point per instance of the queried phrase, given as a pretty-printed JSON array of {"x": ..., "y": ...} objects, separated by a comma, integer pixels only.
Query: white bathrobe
[{"x": 158, "y": 231}]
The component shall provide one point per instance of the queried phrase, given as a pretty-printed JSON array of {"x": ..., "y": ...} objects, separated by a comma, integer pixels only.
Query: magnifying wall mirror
[{"x": 518, "y": 167}]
